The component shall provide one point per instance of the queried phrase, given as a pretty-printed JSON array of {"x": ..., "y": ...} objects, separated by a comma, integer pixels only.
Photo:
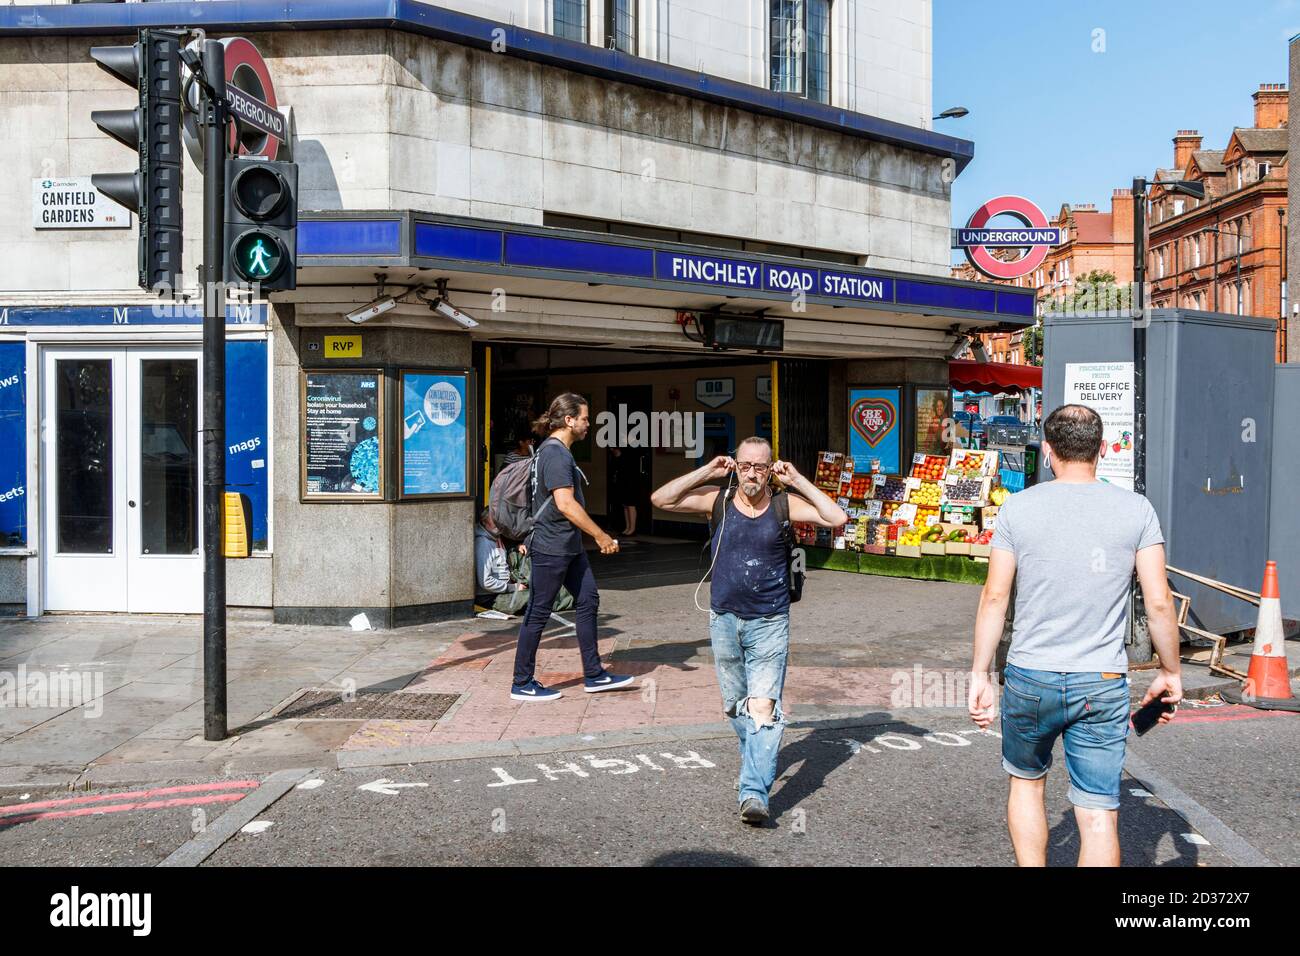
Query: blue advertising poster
[
  {"x": 13, "y": 445},
  {"x": 247, "y": 450},
  {"x": 873, "y": 428},
  {"x": 435, "y": 433}
]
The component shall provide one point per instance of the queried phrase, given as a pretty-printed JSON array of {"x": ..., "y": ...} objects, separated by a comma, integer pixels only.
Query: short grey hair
[{"x": 755, "y": 440}]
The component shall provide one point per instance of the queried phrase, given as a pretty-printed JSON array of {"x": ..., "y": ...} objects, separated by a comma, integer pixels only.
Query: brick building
[{"x": 1224, "y": 253}]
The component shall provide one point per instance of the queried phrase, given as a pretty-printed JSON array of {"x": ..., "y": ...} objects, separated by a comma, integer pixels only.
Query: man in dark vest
[{"x": 749, "y": 619}]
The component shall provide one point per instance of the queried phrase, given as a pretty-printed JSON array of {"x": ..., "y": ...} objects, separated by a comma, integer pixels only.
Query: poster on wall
[
  {"x": 931, "y": 412},
  {"x": 1107, "y": 388},
  {"x": 873, "y": 428},
  {"x": 13, "y": 445},
  {"x": 342, "y": 434},
  {"x": 435, "y": 446}
]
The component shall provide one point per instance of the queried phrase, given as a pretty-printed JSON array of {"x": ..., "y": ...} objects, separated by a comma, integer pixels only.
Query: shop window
[
  {"x": 620, "y": 26},
  {"x": 569, "y": 19},
  {"x": 799, "y": 40}
]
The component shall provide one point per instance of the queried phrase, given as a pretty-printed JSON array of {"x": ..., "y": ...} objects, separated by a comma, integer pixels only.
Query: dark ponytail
[{"x": 567, "y": 405}]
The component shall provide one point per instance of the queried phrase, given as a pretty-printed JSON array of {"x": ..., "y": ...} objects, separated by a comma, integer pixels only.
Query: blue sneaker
[
  {"x": 533, "y": 691},
  {"x": 606, "y": 681}
]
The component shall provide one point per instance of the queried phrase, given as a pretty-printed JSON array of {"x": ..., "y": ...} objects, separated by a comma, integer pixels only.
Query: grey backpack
[{"x": 510, "y": 499}]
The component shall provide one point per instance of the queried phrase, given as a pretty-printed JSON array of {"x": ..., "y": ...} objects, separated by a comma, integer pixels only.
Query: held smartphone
[{"x": 1147, "y": 716}]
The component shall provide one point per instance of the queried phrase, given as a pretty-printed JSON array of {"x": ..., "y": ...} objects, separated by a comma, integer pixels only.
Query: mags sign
[{"x": 1036, "y": 236}]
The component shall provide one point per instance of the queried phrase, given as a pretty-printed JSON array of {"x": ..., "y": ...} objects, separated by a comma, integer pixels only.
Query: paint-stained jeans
[{"x": 750, "y": 657}]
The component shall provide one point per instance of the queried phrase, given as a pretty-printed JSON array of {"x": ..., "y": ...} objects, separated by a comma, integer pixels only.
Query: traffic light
[
  {"x": 261, "y": 231},
  {"x": 153, "y": 130}
]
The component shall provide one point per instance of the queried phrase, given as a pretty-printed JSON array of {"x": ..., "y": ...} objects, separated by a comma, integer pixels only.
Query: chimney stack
[
  {"x": 1121, "y": 222},
  {"x": 1186, "y": 142},
  {"x": 1270, "y": 106}
]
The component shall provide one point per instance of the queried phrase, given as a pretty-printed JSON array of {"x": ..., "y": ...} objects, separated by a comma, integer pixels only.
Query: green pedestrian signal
[
  {"x": 258, "y": 256},
  {"x": 261, "y": 224}
]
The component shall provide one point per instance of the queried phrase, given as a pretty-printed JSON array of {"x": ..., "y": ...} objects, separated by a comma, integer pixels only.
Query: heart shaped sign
[{"x": 873, "y": 419}]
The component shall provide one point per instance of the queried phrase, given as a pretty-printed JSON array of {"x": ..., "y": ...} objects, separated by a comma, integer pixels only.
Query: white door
[{"x": 122, "y": 526}]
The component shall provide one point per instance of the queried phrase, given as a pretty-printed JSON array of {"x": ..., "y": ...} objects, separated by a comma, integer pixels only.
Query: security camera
[
  {"x": 368, "y": 312},
  {"x": 445, "y": 308}
]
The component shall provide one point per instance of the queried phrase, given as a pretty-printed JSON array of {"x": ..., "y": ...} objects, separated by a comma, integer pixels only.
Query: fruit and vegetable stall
[{"x": 934, "y": 523}]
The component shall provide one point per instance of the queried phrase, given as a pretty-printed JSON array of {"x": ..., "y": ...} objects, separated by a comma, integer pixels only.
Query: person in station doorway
[
  {"x": 1071, "y": 546},
  {"x": 504, "y": 572},
  {"x": 749, "y": 616},
  {"x": 521, "y": 448},
  {"x": 623, "y": 485},
  {"x": 555, "y": 545}
]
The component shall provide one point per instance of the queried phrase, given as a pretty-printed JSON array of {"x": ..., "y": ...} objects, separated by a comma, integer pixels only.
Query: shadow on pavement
[
  {"x": 819, "y": 754},
  {"x": 700, "y": 858},
  {"x": 1143, "y": 824}
]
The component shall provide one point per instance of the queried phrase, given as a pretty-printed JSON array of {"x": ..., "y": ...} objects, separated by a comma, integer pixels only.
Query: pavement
[{"x": 116, "y": 699}]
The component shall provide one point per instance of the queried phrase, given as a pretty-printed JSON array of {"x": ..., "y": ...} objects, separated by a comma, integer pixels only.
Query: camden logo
[
  {"x": 873, "y": 419},
  {"x": 1036, "y": 237}
]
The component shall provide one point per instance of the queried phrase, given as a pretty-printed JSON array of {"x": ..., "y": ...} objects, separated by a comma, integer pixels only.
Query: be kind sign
[{"x": 873, "y": 428}]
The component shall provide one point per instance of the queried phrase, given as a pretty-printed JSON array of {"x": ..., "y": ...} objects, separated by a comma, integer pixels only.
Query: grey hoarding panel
[
  {"x": 1284, "y": 523},
  {"x": 1209, "y": 376}
]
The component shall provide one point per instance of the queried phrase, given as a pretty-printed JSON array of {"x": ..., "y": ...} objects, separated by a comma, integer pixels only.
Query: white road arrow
[{"x": 384, "y": 785}]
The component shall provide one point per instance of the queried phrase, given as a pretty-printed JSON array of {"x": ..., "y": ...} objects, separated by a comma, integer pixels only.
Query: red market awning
[{"x": 993, "y": 376}]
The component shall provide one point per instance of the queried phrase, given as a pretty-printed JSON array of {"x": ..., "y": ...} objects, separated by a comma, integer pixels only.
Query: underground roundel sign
[
  {"x": 1034, "y": 235},
  {"x": 873, "y": 419}
]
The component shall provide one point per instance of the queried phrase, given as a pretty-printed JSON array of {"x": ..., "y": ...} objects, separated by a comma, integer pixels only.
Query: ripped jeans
[{"x": 750, "y": 657}]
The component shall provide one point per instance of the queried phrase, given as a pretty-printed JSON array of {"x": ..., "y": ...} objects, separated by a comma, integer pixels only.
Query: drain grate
[{"x": 368, "y": 705}]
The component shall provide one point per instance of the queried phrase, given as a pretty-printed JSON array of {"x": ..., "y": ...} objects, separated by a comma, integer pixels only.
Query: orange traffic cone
[{"x": 1268, "y": 679}]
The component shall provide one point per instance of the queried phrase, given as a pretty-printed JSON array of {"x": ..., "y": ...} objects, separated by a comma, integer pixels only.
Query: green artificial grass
[{"x": 933, "y": 567}]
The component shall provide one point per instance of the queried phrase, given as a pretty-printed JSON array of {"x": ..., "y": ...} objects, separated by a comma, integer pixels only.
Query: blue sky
[{"x": 1056, "y": 122}]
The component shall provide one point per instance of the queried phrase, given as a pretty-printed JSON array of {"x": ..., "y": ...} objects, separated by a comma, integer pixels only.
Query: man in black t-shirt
[{"x": 555, "y": 546}]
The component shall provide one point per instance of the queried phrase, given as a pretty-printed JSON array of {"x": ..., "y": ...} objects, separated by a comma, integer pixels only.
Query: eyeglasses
[{"x": 758, "y": 468}]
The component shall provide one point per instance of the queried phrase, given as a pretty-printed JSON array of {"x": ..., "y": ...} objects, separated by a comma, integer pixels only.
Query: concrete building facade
[{"x": 582, "y": 203}]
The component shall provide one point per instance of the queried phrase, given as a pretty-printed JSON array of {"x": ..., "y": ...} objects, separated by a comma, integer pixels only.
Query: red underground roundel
[{"x": 979, "y": 239}]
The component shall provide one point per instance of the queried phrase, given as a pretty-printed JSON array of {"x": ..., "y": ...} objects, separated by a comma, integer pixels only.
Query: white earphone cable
[{"x": 717, "y": 546}]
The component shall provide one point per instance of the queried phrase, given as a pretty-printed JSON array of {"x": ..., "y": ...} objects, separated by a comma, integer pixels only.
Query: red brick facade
[{"x": 1224, "y": 253}]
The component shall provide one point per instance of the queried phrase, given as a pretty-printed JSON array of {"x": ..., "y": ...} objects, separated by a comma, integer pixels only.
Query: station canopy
[{"x": 538, "y": 283}]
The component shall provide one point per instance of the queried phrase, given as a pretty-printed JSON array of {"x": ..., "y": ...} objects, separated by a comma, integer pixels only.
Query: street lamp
[
  {"x": 1197, "y": 191},
  {"x": 1141, "y": 646},
  {"x": 953, "y": 112}
]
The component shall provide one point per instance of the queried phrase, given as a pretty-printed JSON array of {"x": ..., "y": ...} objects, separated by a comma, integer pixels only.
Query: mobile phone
[{"x": 1148, "y": 715}]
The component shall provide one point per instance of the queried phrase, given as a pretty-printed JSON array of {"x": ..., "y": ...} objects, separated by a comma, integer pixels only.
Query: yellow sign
[{"x": 343, "y": 346}]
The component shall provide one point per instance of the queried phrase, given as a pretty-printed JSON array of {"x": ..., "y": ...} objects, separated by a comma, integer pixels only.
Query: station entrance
[{"x": 655, "y": 415}]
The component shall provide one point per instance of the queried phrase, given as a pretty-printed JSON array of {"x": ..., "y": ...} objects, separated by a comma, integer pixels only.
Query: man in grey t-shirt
[{"x": 1071, "y": 545}]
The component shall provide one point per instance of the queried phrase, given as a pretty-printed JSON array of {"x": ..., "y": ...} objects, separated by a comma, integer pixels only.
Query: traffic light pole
[{"x": 215, "y": 119}]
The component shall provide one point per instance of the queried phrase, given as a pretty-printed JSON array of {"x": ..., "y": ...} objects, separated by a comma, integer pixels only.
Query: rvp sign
[
  {"x": 343, "y": 346},
  {"x": 1034, "y": 235}
]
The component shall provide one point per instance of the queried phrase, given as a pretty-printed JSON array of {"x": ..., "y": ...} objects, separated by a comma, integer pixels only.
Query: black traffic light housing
[
  {"x": 153, "y": 129},
  {"x": 261, "y": 223}
]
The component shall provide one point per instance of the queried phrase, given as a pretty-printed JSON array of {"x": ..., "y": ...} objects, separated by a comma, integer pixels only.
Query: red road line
[
  {"x": 118, "y": 808},
  {"x": 1235, "y": 712},
  {"x": 157, "y": 792}
]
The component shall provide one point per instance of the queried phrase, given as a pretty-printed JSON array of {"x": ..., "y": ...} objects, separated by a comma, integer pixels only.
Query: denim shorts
[
  {"x": 1089, "y": 711},
  {"x": 750, "y": 657}
]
